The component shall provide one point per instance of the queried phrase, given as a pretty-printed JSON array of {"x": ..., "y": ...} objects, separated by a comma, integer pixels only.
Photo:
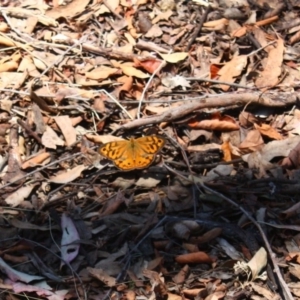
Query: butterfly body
[{"x": 133, "y": 154}]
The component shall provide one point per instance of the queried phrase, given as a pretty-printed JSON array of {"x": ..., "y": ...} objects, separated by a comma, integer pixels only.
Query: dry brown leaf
[
  {"x": 216, "y": 23},
  {"x": 269, "y": 77},
  {"x": 127, "y": 83},
  {"x": 172, "y": 296},
  {"x": 204, "y": 147},
  {"x": 150, "y": 65},
  {"x": 217, "y": 122},
  {"x": 65, "y": 125},
  {"x": 207, "y": 236},
  {"x": 194, "y": 258},
  {"x": 102, "y": 276},
  {"x": 231, "y": 70},
  {"x": 130, "y": 295},
  {"x": 268, "y": 131},
  {"x": 4, "y": 27},
  {"x": 226, "y": 147},
  {"x": 8, "y": 66},
  {"x": 112, "y": 205},
  {"x": 28, "y": 66},
  {"x": 265, "y": 292},
  {"x": 291, "y": 211},
  {"x": 247, "y": 119},
  {"x": 5, "y": 41},
  {"x": 253, "y": 141},
  {"x": 181, "y": 276},
  {"x": 36, "y": 160}
]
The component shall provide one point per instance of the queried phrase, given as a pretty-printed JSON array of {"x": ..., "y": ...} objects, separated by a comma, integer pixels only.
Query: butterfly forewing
[
  {"x": 114, "y": 150},
  {"x": 151, "y": 144}
]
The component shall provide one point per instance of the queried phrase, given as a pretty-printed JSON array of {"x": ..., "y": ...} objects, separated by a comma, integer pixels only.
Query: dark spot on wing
[{"x": 153, "y": 148}]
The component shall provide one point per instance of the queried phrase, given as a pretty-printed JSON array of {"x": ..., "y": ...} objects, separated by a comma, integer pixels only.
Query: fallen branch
[{"x": 224, "y": 100}]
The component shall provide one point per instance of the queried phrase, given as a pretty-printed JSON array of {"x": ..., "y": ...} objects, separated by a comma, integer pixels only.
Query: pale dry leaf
[
  {"x": 99, "y": 139},
  {"x": 175, "y": 81},
  {"x": 82, "y": 80},
  {"x": 218, "y": 171},
  {"x": 258, "y": 262},
  {"x": 154, "y": 32},
  {"x": 18, "y": 196},
  {"x": 174, "y": 57},
  {"x": 27, "y": 65},
  {"x": 28, "y": 13},
  {"x": 156, "y": 109},
  {"x": 204, "y": 147},
  {"x": 101, "y": 72},
  {"x": 68, "y": 11},
  {"x": 15, "y": 275},
  {"x": 201, "y": 2},
  {"x": 69, "y": 249},
  {"x": 9, "y": 79},
  {"x": 102, "y": 10},
  {"x": 50, "y": 139},
  {"x": 39, "y": 64},
  {"x": 67, "y": 176},
  {"x": 280, "y": 148},
  {"x": 41, "y": 288},
  {"x": 150, "y": 182},
  {"x": 131, "y": 71},
  {"x": 6, "y": 105},
  {"x": 163, "y": 16}
]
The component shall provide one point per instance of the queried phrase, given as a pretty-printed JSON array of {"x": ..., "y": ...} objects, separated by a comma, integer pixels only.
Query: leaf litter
[{"x": 215, "y": 215}]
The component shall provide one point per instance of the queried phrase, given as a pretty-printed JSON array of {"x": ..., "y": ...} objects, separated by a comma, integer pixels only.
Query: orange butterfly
[{"x": 133, "y": 154}]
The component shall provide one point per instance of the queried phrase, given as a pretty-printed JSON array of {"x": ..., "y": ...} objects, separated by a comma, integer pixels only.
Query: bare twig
[
  {"x": 198, "y": 29},
  {"x": 162, "y": 64},
  {"x": 29, "y": 131}
]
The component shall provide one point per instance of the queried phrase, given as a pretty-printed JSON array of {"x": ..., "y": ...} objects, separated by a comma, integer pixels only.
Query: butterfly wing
[
  {"x": 145, "y": 150},
  {"x": 151, "y": 144},
  {"x": 114, "y": 150},
  {"x": 133, "y": 157}
]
